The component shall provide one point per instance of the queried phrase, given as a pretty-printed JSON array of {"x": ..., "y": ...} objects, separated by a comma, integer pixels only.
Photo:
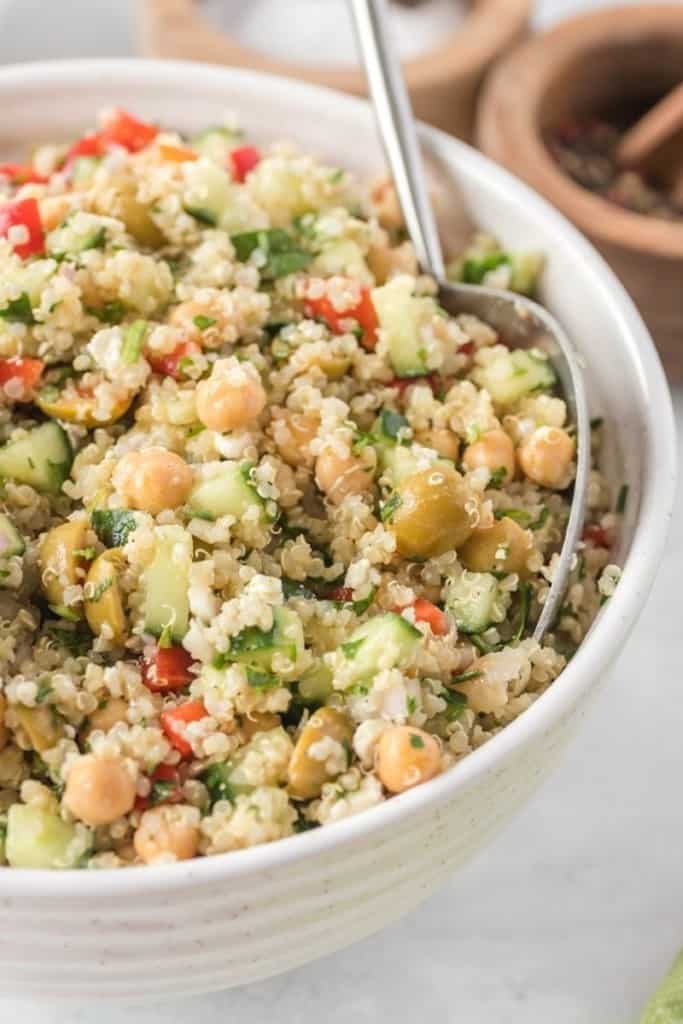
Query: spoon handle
[{"x": 396, "y": 127}]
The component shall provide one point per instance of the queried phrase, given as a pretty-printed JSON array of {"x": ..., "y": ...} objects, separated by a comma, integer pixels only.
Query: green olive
[
  {"x": 103, "y": 602},
  {"x": 41, "y": 725},
  {"x": 436, "y": 512},
  {"x": 135, "y": 215},
  {"x": 503, "y": 547},
  {"x": 61, "y": 560},
  {"x": 307, "y": 775}
]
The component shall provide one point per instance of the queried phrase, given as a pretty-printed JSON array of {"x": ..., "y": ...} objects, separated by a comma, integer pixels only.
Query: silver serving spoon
[{"x": 522, "y": 323}]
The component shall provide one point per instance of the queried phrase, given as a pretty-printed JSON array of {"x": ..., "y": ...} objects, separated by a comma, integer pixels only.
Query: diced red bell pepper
[
  {"x": 427, "y": 612},
  {"x": 28, "y": 371},
  {"x": 595, "y": 535},
  {"x": 244, "y": 159},
  {"x": 401, "y": 383},
  {"x": 23, "y": 213},
  {"x": 363, "y": 313},
  {"x": 174, "y": 720},
  {"x": 167, "y": 669},
  {"x": 467, "y": 349},
  {"x": 164, "y": 773},
  {"x": 21, "y": 174},
  {"x": 122, "y": 129},
  {"x": 169, "y": 365}
]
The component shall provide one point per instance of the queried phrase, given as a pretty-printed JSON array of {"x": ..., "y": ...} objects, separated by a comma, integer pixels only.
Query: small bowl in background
[
  {"x": 615, "y": 59},
  {"x": 444, "y": 83}
]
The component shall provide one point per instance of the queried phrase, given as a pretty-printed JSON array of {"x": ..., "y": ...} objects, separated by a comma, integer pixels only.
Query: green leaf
[
  {"x": 293, "y": 588},
  {"x": 362, "y": 606},
  {"x": 75, "y": 641},
  {"x": 542, "y": 519},
  {"x": 498, "y": 476},
  {"x": 133, "y": 338},
  {"x": 392, "y": 424},
  {"x": 96, "y": 241},
  {"x": 161, "y": 790},
  {"x": 524, "y": 606},
  {"x": 203, "y": 216},
  {"x": 101, "y": 588},
  {"x": 216, "y": 778},
  {"x": 622, "y": 498},
  {"x": 482, "y": 645},
  {"x": 475, "y": 270},
  {"x": 203, "y": 322},
  {"x": 113, "y": 526},
  {"x": 282, "y": 254},
  {"x": 351, "y": 647},
  {"x": 19, "y": 311},
  {"x": 519, "y": 515},
  {"x": 252, "y": 639},
  {"x": 388, "y": 507},
  {"x": 261, "y": 680},
  {"x": 110, "y": 313},
  {"x": 465, "y": 677},
  {"x": 44, "y": 691},
  {"x": 62, "y": 612},
  {"x": 416, "y": 741}
]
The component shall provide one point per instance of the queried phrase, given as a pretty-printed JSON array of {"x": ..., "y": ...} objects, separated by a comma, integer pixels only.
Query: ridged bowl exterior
[{"x": 231, "y": 919}]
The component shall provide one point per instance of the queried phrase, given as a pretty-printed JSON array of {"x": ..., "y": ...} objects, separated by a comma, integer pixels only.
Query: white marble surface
[{"x": 571, "y": 916}]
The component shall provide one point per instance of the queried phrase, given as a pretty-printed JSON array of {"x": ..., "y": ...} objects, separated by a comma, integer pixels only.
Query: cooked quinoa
[{"x": 274, "y": 528}]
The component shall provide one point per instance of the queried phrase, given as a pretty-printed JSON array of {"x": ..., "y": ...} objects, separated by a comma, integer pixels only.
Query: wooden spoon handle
[{"x": 663, "y": 121}]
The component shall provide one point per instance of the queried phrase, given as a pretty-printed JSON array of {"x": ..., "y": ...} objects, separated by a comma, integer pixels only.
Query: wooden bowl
[
  {"x": 444, "y": 83},
  {"x": 620, "y": 58}
]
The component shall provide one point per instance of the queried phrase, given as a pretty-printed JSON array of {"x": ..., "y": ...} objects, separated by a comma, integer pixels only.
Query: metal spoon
[{"x": 521, "y": 322}]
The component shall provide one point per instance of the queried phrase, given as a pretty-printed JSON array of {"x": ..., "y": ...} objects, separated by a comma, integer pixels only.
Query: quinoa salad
[{"x": 274, "y": 528}]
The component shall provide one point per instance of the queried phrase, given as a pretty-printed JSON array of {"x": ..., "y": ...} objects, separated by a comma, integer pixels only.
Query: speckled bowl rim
[{"x": 598, "y": 650}]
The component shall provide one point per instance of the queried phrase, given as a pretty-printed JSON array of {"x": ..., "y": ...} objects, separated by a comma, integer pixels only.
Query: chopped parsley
[
  {"x": 113, "y": 526},
  {"x": 261, "y": 680},
  {"x": 389, "y": 507},
  {"x": 203, "y": 322},
  {"x": 456, "y": 702},
  {"x": 524, "y": 606},
  {"x": 498, "y": 476},
  {"x": 87, "y": 553},
  {"x": 161, "y": 790},
  {"x": 216, "y": 778},
  {"x": 101, "y": 589},
  {"x": 110, "y": 313},
  {"x": 282, "y": 254},
  {"x": 75, "y": 641},
  {"x": 62, "y": 612},
  {"x": 351, "y": 647},
  {"x": 475, "y": 270},
  {"x": 622, "y": 498},
  {"x": 392, "y": 424},
  {"x": 98, "y": 240},
  {"x": 44, "y": 691},
  {"x": 19, "y": 311},
  {"x": 416, "y": 741}
]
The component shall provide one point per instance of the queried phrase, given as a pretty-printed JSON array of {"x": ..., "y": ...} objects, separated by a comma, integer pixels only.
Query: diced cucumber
[
  {"x": 526, "y": 268},
  {"x": 83, "y": 168},
  {"x": 208, "y": 192},
  {"x": 229, "y": 493},
  {"x": 399, "y": 462},
  {"x": 215, "y": 144},
  {"x": 475, "y": 601},
  {"x": 345, "y": 258},
  {"x": 11, "y": 541},
  {"x": 261, "y": 762},
  {"x": 402, "y": 317},
  {"x": 42, "y": 459},
  {"x": 113, "y": 525},
  {"x": 512, "y": 375},
  {"x": 257, "y": 647},
  {"x": 383, "y": 642},
  {"x": 80, "y": 232},
  {"x": 166, "y": 583},
  {"x": 38, "y": 839}
]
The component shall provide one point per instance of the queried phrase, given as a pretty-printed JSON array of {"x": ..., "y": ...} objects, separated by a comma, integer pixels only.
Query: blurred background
[{"x": 574, "y": 914}]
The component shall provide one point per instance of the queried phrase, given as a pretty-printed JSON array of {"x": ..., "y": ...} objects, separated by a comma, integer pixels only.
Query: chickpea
[
  {"x": 406, "y": 757},
  {"x": 339, "y": 475},
  {"x": 153, "y": 480},
  {"x": 546, "y": 457},
  {"x": 308, "y": 774},
  {"x": 503, "y": 547},
  {"x": 436, "y": 512},
  {"x": 443, "y": 441},
  {"x": 293, "y": 434},
  {"x": 166, "y": 832},
  {"x": 232, "y": 397},
  {"x": 4, "y": 731},
  {"x": 259, "y": 721},
  {"x": 494, "y": 451},
  {"x": 105, "y": 718},
  {"x": 99, "y": 790}
]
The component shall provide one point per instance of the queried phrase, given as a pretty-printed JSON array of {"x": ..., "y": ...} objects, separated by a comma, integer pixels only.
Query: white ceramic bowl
[{"x": 234, "y": 918}]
